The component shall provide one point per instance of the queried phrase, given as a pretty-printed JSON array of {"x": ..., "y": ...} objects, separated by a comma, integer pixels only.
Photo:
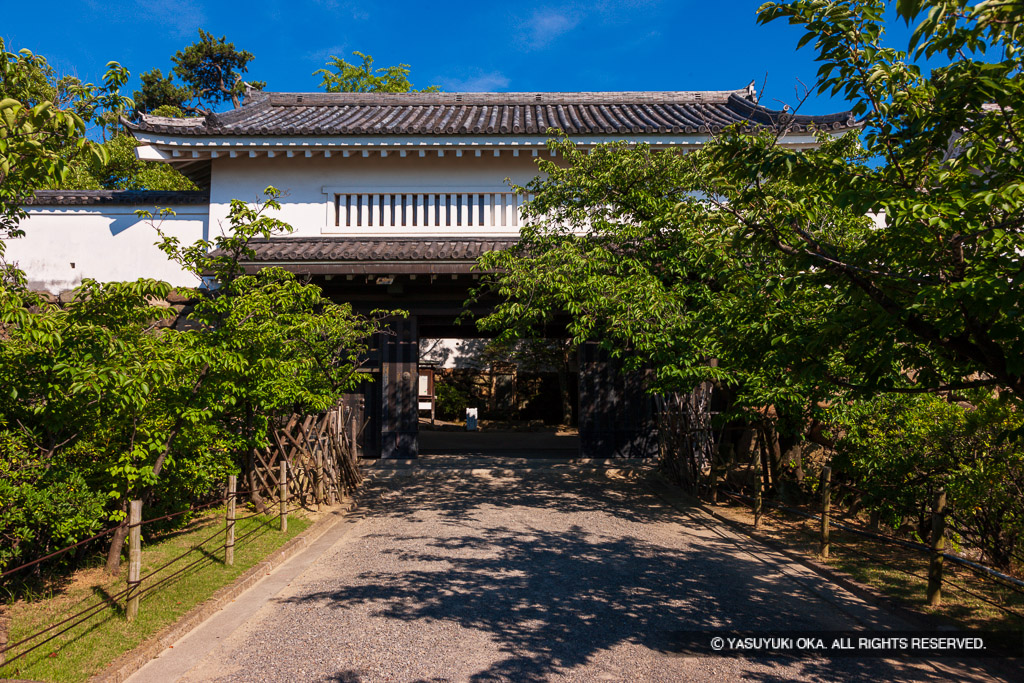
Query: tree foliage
[
  {"x": 901, "y": 449},
  {"x": 342, "y": 76},
  {"x": 932, "y": 299},
  {"x": 42, "y": 126},
  {"x": 106, "y": 399},
  {"x": 70, "y": 161},
  {"x": 160, "y": 91},
  {"x": 210, "y": 73},
  {"x": 123, "y": 170},
  {"x": 761, "y": 255},
  {"x": 602, "y": 242}
]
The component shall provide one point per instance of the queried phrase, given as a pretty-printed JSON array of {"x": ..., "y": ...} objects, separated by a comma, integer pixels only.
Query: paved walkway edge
[{"x": 130, "y": 662}]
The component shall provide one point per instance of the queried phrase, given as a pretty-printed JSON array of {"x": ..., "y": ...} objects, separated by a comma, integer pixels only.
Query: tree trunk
[
  {"x": 117, "y": 543},
  {"x": 5, "y": 631},
  {"x": 563, "y": 388},
  {"x": 794, "y": 458},
  {"x": 774, "y": 453}
]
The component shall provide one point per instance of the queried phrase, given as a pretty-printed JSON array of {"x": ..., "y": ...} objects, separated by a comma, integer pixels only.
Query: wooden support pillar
[
  {"x": 354, "y": 436},
  {"x": 5, "y": 631},
  {"x": 400, "y": 390},
  {"x": 318, "y": 459}
]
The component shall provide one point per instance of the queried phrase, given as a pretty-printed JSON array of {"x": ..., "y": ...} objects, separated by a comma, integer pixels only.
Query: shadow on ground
[{"x": 555, "y": 600}]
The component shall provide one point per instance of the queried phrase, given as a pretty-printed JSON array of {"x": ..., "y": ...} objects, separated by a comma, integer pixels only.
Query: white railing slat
[{"x": 429, "y": 210}]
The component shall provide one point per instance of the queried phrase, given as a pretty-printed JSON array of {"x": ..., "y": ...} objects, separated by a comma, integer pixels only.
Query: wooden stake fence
[
  {"x": 283, "y": 495},
  {"x": 321, "y": 455},
  {"x": 686, "y": 442}
]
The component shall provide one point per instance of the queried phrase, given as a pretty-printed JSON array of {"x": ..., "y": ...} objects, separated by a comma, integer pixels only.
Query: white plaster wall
[
  {"x": 63, "y": 244},
  {"x": 453, "y": 353},
  {"x": 464, "y": 354},
  {"x": 310, "y": 211}
]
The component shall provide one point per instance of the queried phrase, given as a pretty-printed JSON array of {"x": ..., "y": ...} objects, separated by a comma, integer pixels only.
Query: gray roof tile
[
  {"x": 120, "y": 197},
  {"x": 490, "y": 114},
  {"x": 297, "y": 249},
  {"x": 345, "y": 255}
]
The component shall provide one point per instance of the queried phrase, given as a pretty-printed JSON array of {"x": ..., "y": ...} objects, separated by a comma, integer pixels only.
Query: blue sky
[{"x": 600, "y": 45}]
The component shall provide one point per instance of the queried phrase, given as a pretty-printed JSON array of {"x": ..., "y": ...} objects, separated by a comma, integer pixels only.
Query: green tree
[
  {"x": 159, "y": 91},
  {"x": 901, "y": 449},
  {"x": 210, "y": 71},
  {"x": 106, "y": 401},
  {"x": 42, "y": 126},
  {"x": 603, "y": 247},
  {"x": 342, "y": 76},
  {"x": 122, "y": 170},
  {"x": 80, "y": 164},
  {"x": 932, "y": 298},
  {"x": 770, "y": 249},
  {"x": 279, "y": 344}
]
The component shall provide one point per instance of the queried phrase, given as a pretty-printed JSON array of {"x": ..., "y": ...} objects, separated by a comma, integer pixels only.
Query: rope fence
[
  {"x": 138, "y": 586},
  {"x": 936, "y": 549}
]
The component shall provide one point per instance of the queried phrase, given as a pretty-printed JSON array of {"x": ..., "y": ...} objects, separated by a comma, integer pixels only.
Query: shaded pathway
[{"x": 542, "y": 576}]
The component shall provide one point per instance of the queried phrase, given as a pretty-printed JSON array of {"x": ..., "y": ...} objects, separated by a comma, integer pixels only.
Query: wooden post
[
  {"x": 319, "y": 460},
  {"x": 134, "y": 558},
  {"x": 938, "y": 545},
  {"x": 714, "y": 485},
  {"x": 229, "y": 521},
  {"x": 5, "y": 631},
  {"x": 826, "y": 508},
  {"x": 758, "y": 485},
  {"x": 284, "y": 495},
  {"x": 353, "y": 436}
]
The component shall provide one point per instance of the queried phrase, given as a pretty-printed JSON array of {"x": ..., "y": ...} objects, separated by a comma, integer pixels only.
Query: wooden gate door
[
  {"x": 616, "y": 414},
  {"x": 399, "y": 384}
]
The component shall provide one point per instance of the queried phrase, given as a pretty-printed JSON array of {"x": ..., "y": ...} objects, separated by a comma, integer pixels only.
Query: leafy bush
[
  {"x": 903, "y": 449},
  {"x": 42, "y": 508},
  {"x": 451, "y": 403}
]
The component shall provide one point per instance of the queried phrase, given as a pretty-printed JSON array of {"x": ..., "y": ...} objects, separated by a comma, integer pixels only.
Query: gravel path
[{"x": 539, "y": 576}]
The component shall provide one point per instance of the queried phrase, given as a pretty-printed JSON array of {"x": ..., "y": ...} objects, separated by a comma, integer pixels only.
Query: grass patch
[
  {"x": 87, "y": 648},
  {"x": 900, "y": 573}
]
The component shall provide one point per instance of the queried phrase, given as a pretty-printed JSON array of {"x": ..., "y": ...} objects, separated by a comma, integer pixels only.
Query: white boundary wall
[{"x": 64, "y": 244}]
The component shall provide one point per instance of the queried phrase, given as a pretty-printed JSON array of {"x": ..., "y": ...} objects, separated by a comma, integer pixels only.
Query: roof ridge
[
  {"x": 182, "y": 121},
  {"x": 299, "y": 99},
  {"x": 85, "y": 197}
]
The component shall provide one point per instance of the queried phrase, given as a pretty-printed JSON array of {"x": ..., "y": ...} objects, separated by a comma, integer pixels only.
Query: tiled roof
[
  {"x": 120, "y": 197},
  {"x": 490, "y": 114},
  {"x": 357, "y": 249},
  {"x": 358, "y": 255}
]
